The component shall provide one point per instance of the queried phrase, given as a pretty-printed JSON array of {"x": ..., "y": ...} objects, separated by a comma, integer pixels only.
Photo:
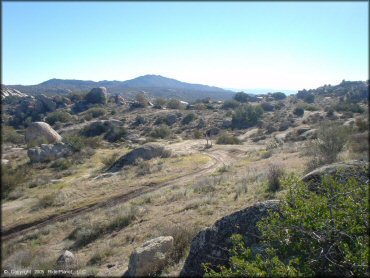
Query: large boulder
[
  {"x": 97, "y": 96},
  {"x": 48, "y": 152},
  {"x": 151, "y": 257},
  {"x": 38, "y": 133},
  {"x": 145, "y": 152},
  {"x": 211, "y": 245},
  {"x": 342, "y": 171}
]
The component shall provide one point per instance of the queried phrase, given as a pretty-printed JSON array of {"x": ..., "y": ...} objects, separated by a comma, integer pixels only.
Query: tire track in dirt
[{"x": 24, "y": 228}]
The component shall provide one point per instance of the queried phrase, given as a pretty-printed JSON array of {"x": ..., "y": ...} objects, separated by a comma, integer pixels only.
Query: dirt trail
[{"x": 219, "y": 159}]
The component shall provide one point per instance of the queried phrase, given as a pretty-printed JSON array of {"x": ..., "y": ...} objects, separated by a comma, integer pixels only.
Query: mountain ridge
[{"x": 154, "y": 86}]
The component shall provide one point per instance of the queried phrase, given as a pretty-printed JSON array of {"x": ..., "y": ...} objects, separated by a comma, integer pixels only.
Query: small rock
[
  {"x": 67, "y": 259},
  {"x": 151, "y": 257}
]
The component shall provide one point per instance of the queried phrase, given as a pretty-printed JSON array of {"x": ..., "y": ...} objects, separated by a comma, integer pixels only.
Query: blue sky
[{"x": 285, "y": 45}]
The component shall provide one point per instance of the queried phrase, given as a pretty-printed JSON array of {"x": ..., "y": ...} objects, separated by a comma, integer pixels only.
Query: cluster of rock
[
  {"x": 8, "y": 92},
  {"x": 44, "y": 143},
  {"x": 48, "y": 152}
]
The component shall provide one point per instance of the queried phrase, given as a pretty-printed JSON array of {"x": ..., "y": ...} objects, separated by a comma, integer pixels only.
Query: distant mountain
[{"x": 152, "y": 85}]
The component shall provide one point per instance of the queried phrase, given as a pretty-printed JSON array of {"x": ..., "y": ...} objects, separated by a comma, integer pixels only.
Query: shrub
[
  {"x": 96, "y": 112},
  {"x": 230, "y": 104},
  {"x": 143, "y": 168},
  {"x": 188, "y": 118},
  {"x": 75, "y": 142},
  {"x": 278, "y": 95},
  {"x": 227, "y": 139},
  {"x": 115, "y": 133},
  {"x": 274, "y": 173},
  {"x": 12, "y": 178},
  {"x": 243, "y": 97},
  {"x": 298, "y": 111},
  {"x": 348, "y": 107},
  {"x": 161, "y": 132},
  {"x": 89, "y": 232},
  {"x": 159, "y": 103},
  {"x": 330, "y": 142},
  {"x": 47, "y": 201},
  {"x": 10, "y": 135},
  {"x": 141, "y": 100},
  {"x": 311, "y": 235},
  {"x": 108, "y": 161},
  {"x": 61, "y": 164},
  {"x": 174, "y": 104},
  {"x": 267, "y": 106},
  {"x": 197, "y": 134},
  {"x": 246, "y": 116},
  {"x": 58, "y": 116},
  {"x": 139, "y": 120},
  {"x": 362, "y": 125}
]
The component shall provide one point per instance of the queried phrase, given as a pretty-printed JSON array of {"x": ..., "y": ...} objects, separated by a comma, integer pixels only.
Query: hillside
[
  {"x": 117, "y": 173},
  {"x": 152, "y": 85}
]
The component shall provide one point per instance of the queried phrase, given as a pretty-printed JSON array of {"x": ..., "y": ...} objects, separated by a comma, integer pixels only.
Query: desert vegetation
[{"x": 216, "y": 158}]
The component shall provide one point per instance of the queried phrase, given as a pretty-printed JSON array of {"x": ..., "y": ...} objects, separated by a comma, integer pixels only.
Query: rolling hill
[{"x": 152, "y": 85}]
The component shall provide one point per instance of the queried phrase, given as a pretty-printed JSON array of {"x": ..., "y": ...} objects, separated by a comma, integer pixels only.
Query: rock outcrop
[
  {"x": 38, "y": 133},
  {"x": 45, "y": 104},
  {"x": 151, "y": 257},
  {"x": 48, "y": 152},
  {"x": 97, "y": 96},
  {"x": 8, "y": 92},
  {"x": 342, "y": 171},
  {"x": 211, "y": 245},
  {"x": 145, "y": 152}
]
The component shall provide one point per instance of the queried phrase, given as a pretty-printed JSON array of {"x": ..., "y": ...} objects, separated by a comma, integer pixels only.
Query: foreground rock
[
  {"x": 67, "y": 259},
  {"x": 151, "y": 257},
  {"x": 145, "y": 152},
  {"x": 211, "y": 245},
  {"x": 38, "y": 133},
  {"x": 48, "y": 152},
  {"x": 341, "y": 170}
]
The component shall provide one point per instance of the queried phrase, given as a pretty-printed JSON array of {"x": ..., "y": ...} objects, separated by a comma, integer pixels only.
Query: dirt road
[{"x": 219, "y": 159}]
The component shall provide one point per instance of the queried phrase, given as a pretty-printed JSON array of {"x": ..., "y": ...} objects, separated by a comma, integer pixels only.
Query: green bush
[
  {"x": 246, "y": 116},
  {"x": 330, "y": 141},
  {"x": 115, "y": 134},
  {"x": 96, "y": 112},
  {"x": 161, "y": 132},
  {"x": 141, "y": 100},
  {"x": 311, "y": 235},
  {"x": 298, "y": 111},
  {"x": 10, "y": 135},
  {"x": 174, "y": 104},
  {"x": 188, "y": 118},
  {"x": 278, "y": 95},
  {"x": 12, "y": 178},
  {"x": 159, "y": 103},
  {"x": 227, "y": 139},
  {"x": 77, "y": 143},
  {"x": 230, "y": 104},
  {"x": 58, "y": 116},
  {"x": 274, "y": 174},
  {"x": 244, "y": 98},
  {"x": 348, "y": 107}
]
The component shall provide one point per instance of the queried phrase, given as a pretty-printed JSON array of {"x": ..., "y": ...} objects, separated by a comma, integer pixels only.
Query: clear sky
[{"x": 286, "y": 45}]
